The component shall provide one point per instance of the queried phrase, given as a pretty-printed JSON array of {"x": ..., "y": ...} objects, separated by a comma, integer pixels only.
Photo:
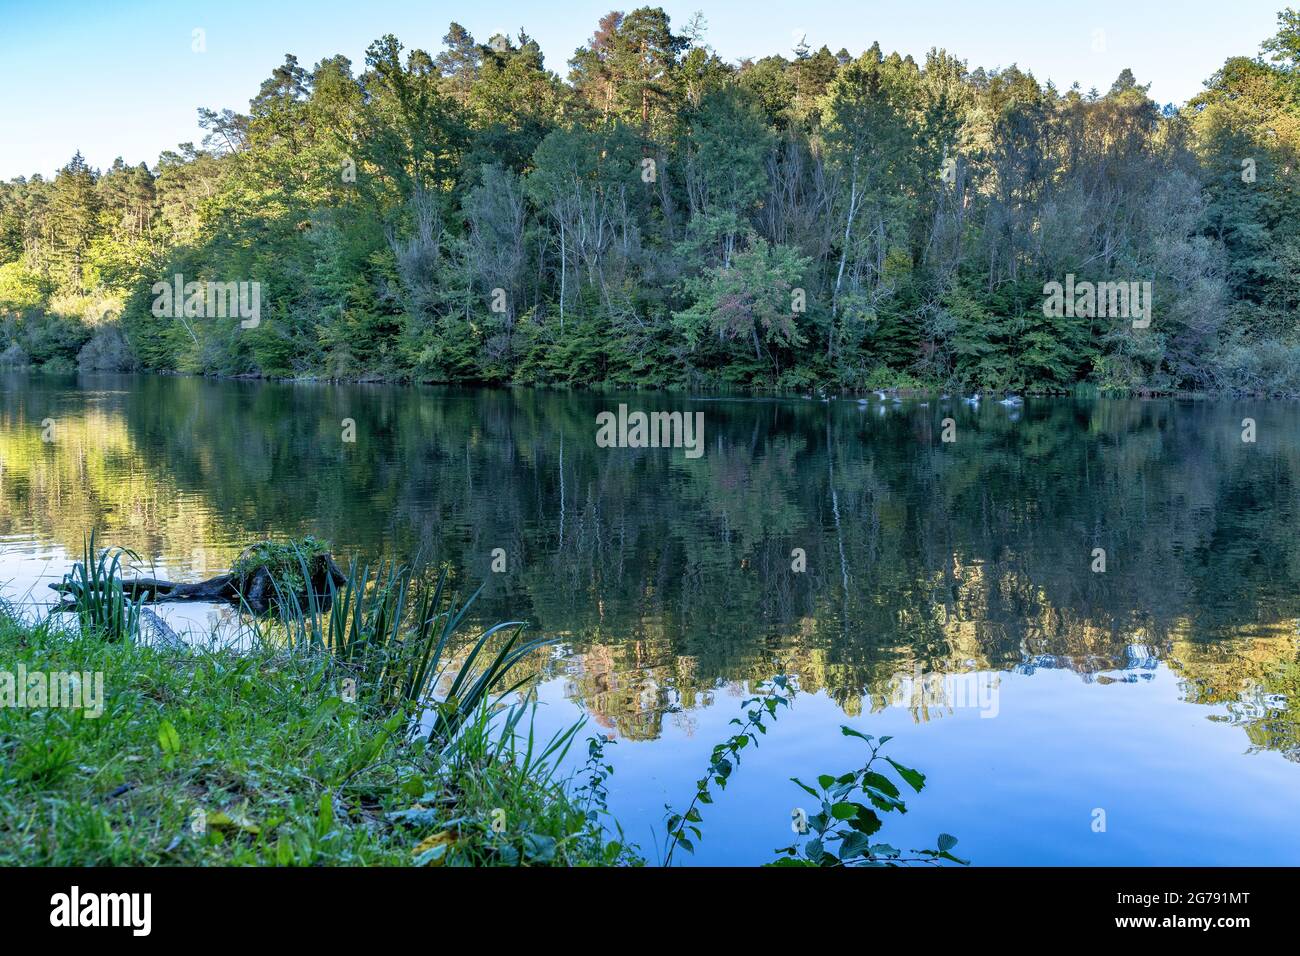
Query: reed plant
[
  {"x": 397, "y": 637},
  {"x": 93, "y": 591}
]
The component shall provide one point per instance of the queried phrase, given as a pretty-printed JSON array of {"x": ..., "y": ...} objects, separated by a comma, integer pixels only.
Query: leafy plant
[
  {"x": 774, "y": 693},
  {"x": 593, "y": 795},
  {"x": 840, "y": 833},
  {"x": 595, "y": 772}
]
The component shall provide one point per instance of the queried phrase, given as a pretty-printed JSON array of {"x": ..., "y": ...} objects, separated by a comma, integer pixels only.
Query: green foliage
[
  {"x": 22, "y": 288},
  {"x": 290, "y": 563},
  {"x": 883, "y": 377},
  {"x": 47, "y": 339},
  {"x": 746, "y": 305},
  {"x": 250, "y": 757},
  {"x": 1004, "y": 342},
  {"x": 772, "y": 694},
  {"x": 465, "y": 216},
  {"x": 840, "y": 833}
]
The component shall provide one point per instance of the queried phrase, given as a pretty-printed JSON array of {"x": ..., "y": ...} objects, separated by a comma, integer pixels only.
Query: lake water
[{"x": 948, "y": 593}]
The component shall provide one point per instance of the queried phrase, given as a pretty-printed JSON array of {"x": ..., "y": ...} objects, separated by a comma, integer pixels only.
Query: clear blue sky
[{"x": 119, "y": 78}]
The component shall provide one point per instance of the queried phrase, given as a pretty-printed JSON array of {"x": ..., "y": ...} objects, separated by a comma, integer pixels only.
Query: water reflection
[{"x": 935, "y": 571}]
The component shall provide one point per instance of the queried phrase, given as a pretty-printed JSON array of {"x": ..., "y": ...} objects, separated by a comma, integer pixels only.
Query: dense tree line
[{"x": 667, "y": 219}]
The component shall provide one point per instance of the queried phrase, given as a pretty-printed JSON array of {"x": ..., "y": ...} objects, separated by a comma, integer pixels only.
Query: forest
[{"x": 660, "y": 218}]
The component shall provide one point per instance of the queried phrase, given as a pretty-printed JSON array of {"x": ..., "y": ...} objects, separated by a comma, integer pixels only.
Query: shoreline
[{"x": 1083, "y": 390}]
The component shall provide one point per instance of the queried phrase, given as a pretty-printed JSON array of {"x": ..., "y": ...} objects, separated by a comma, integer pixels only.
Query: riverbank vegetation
[
  {"x": 663, "y": 218},
  {"x": 289, "y": 752}
]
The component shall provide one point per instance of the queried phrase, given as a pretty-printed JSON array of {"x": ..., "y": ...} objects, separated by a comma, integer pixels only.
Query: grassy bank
[{"x": 217, "y": 757}]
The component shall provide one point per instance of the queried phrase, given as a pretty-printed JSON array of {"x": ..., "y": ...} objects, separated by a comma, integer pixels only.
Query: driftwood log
[{"x": 254, "y": 587}]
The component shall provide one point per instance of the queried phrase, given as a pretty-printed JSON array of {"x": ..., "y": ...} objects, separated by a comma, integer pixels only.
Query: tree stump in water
[
  {"x": 266, "y": 573},
  {"x": 261, "y": 577}
]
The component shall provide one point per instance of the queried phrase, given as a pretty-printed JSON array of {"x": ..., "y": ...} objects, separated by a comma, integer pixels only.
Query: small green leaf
[
  {"x": 880, "y": 782},
  {"x": 915, "y": 779},
  {"x": 283, "y": 851},
  {"x": 325, "y": 818},
  {"x": 540, "y": 849},
  {"x": 854, "y": 844},
  {"x": 807, "y": 789},
  {"x": 866, "y": 821},
  {"x": 883, "y": 801},
  {"x": 169, "y": 739}
]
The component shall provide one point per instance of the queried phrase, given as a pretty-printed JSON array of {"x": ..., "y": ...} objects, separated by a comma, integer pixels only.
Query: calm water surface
[{"x": 949, "y": 596}]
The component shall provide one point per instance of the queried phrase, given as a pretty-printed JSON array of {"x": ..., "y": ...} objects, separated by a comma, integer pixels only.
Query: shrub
[
  {"x": 14, "y": 357},
  {"x": 108, "y": 351}
]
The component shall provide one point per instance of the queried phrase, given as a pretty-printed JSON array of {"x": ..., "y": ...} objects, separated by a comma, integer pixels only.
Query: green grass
[{"x": 260, "y": 745}]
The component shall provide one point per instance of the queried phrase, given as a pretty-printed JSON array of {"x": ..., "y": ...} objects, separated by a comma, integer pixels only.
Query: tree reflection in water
[{"x": 670, "y": 580}]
